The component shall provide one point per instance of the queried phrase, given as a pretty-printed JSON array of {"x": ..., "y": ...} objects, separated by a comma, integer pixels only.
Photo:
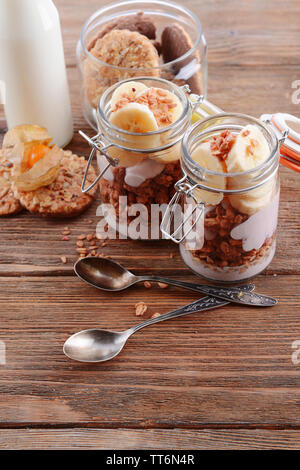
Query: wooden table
[{"x": 223, "y": 379}]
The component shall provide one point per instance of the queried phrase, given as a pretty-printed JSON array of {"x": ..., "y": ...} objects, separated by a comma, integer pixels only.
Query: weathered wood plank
[
  {"x": 33, "y": 245},
  {"x": 244, "y": 33},
  {"x": 111, "y": 439},
  {"x": 228, "y": 366}
]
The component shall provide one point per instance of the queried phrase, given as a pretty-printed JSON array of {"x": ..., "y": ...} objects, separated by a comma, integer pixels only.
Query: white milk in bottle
[{"x": 33, "y": 78}]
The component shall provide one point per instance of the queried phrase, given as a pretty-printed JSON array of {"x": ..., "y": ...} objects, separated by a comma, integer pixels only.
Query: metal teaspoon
[
  {"x": 109, "y": 275},
  {"x": 95, "y": 345}
]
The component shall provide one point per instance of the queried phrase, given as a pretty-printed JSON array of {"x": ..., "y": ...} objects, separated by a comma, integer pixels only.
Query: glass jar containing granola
[
  {"x": 230, "y": 191},
  {"x": 138, "y": 146},
  {"x": 159, "y": 39}
]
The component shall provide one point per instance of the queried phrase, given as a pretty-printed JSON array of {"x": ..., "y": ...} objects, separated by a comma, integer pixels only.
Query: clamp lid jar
[
  {"x": 138, "y": 170},
  {"x": 230, "y": 233},
  {"x": 157, "y": 38}
]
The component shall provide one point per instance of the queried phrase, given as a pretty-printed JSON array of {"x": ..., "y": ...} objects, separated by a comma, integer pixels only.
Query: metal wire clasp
[
  {"x": 95, "y": 143},
  {"x": 183, "y": 188}
]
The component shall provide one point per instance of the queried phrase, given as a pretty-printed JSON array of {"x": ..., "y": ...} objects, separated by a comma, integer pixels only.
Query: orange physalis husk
[
  {"x": 27, "y": 148},
  {"x": 43, "y": 172},
  {"x": 25, "y": 133}
]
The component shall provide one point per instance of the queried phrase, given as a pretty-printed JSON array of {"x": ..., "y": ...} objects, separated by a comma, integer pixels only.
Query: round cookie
[
  {"x": 175, "y": 42},
  {"x": 9, "y": 204},
  {"x": 120, "y": 48},
  {"x": 63, "y": 197},
  {"x": 139, "y": 22}
]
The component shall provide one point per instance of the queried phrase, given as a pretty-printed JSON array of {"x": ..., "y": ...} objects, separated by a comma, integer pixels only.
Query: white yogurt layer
[
  {"x": 102, "y": 163},
  {"x": 258, "y": 227},
  {"x": 134, "y": 175},
  {"x": 226, "y": 274}
]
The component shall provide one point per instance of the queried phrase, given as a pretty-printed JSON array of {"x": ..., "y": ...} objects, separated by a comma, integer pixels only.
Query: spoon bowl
[
  {"x": 94, "y": 345},
  {"x": 104, "y": 273}
]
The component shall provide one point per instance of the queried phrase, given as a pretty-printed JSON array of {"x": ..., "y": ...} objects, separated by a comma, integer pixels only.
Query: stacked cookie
[
  {"x": 41, "y": 177},
  {"x": 128, "y": 47}
]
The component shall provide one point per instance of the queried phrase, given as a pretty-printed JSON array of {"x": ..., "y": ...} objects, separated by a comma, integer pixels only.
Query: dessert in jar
[
  {"x": 124, "y": 40},
  {"x": 230, "y": 163},
  {"x": 141, "y": 124}
]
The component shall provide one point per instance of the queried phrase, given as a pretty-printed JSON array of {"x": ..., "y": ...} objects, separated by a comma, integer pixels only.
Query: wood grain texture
[
  {"x": 230, "y": 366},
  {"x": 220, "y": 380},
  {"x": 27, "y": 239},
  {"x": 177, "y": 439}
]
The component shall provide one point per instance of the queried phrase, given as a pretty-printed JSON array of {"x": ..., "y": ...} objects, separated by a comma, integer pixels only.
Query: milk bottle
[{"x": 33, "y": 80}]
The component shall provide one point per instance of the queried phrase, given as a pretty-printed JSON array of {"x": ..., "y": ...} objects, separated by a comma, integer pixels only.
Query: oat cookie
[
  {"x": 9, "y": 205},
  {"x": 121, "y": 48},
  {"x": 63, "y": 197},
  {"x": 175, "y": 42}
]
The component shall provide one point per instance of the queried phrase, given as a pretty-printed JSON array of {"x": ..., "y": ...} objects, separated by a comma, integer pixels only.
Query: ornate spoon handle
[
  {"x": 206, "y": 303},
  {"x": 231, "y": 294}
]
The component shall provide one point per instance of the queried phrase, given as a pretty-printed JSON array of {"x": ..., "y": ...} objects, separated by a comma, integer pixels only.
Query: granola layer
[
  {"x": 158, "y": 190},
  {"x": 223, "y": 253}
]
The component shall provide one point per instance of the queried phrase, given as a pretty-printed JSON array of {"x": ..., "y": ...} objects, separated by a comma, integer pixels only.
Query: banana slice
[
  {"x": 165, "y": 106},
  {"x": 169, "y": 155},
  {"x": 249, "y": 150},
  {"x": 134, "y": 117},
  {"x": 126, "y": 158},
  {"x": 167, "y": 109},
  {"x": 127, "y": 91},
  {"x": 138, "y": 118},
  {"x": 255, "y": 200},
  {"x": 206, "y": 159}
]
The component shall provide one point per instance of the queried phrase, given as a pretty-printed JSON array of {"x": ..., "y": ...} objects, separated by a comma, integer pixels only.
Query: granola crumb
[
  {"x": 90, "y": 237},
  {"x": 147, "y": 284},
  {"x": 81, "y": 251},
  {"x": 162, "y": 285},
  {"x": 93, "y": 253},
  {"x": 90, "y": 221},
  {"x": 155, "y": 315},
  {"x": 79, "y": 243},
  {"x": 140, "y": 309},
  {"x": 171, "y": 255},
  {"x": 81, "y": 237},
  {"x": 63, "y": 259},
  {"x": 65, "y": 232}
]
